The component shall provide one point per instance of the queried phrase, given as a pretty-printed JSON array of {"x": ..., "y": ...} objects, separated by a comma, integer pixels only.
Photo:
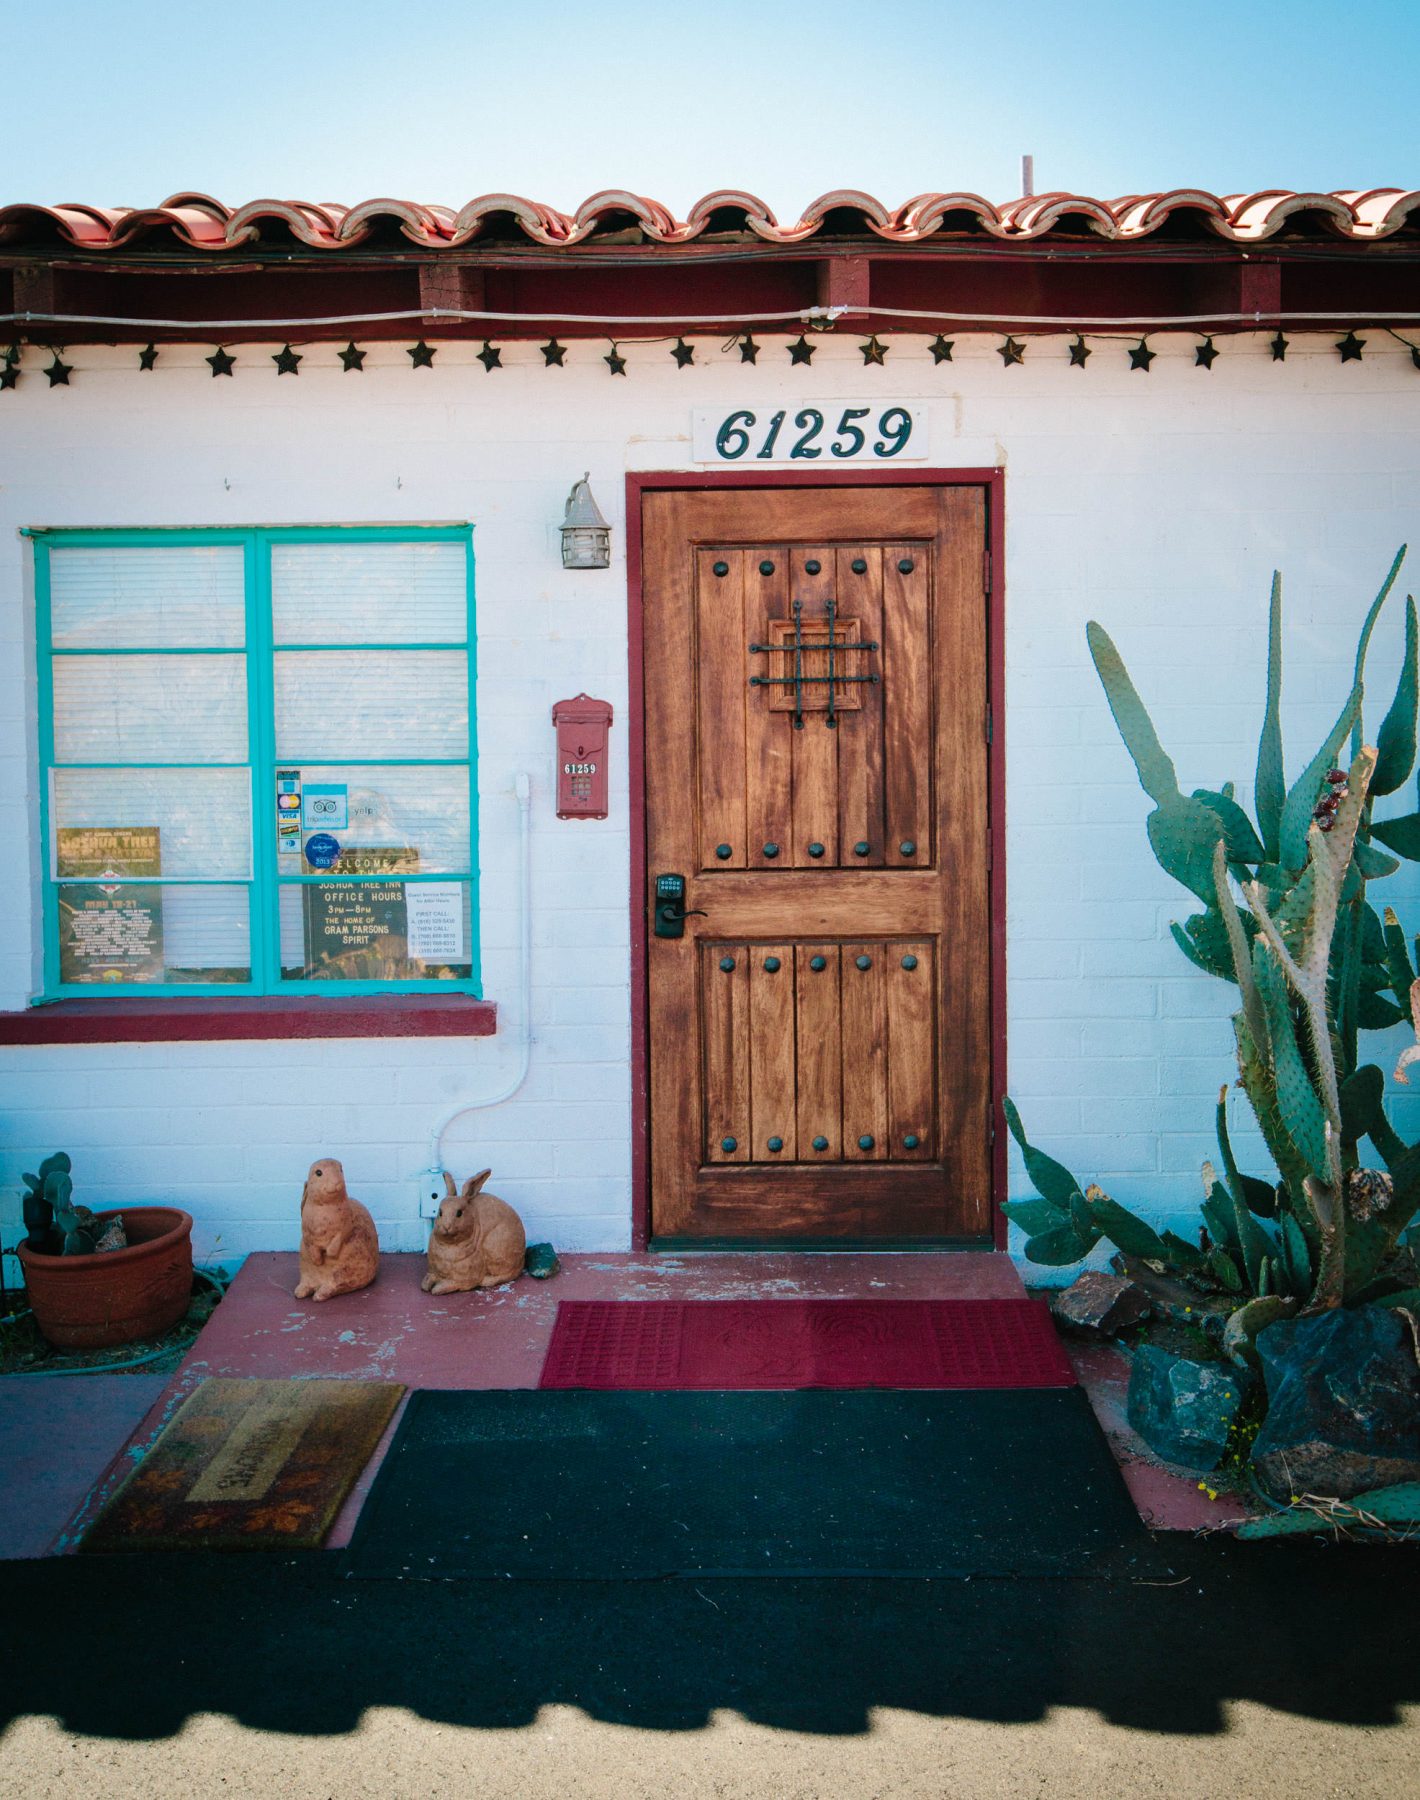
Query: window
[{"x": 258, "y": 761}]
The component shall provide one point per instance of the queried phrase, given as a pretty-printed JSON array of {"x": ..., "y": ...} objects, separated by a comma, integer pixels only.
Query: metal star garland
[
  {"x": 220, "y": 363},
  {"x": 1278, "y": 347},
  {"x": 287, "y": 362},
  {"x": 490, "y": 356},
  {"x": 1141, "y": 355},
  {"x": 1415, "y": 355},
  {"x": 1080, "y": 352},
  {"x": 59, "y": 372},
  {"x": 941, "y": 348},
  {"x": 683, "y": 353},
  {"x": 352, "y": 359},
  {"x": 553, "y": 354},
  {"x": 802, "y": 351},
  {"x": 1011, "y": 352},
  {"x": 9, "y": 376},
  {"x": 148, "y": 356},
  {"x": 873, "y": 351},
  {"x": 1205, "y": 355},
  {"x": 615, "y": 361},
  {"x": 749, "y": 350},
  {"x": 1350, "y": 347},
  {"x": 421, "y": 355}
]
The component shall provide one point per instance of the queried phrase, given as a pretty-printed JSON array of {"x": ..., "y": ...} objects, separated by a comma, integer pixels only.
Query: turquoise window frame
[{"x": 263, "y": 883}]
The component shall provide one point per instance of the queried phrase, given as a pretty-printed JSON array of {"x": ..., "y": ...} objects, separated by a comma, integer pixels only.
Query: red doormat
[{"x": 805, "y": 1344}]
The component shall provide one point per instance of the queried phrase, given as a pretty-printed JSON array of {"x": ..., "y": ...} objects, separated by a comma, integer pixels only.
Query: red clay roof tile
[{"x": 199, "y": 222}]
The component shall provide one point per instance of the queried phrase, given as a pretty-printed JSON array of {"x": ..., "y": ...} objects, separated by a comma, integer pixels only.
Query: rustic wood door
[{"x": 816, "y": 768}]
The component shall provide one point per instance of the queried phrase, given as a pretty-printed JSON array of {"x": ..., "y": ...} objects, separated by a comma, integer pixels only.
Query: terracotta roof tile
[{"x": 198, "y": 222}]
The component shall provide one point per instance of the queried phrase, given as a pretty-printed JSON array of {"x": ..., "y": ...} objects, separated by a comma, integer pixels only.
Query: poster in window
[
  {"x": 110, "y": 930},
  {"x": 355, "y": 931},
  {"x": 435, "y": 914},
  {"x": 373, "y": 930},
  {"x": 104, "y": 851}
]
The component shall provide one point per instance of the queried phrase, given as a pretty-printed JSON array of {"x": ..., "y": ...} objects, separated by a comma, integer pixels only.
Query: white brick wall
[{"x": 1157, "y": 503}]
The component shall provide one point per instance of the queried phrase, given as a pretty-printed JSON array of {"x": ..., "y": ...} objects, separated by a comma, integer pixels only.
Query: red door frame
[{"x": 642, "y": 482}]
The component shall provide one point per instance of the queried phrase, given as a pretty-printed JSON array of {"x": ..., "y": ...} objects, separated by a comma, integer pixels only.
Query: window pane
[
  {"x": 137, "y": 709},
  {"x": 369, "y": 593},
  {"x": 376, "y": 931},
  {"x": 152, "y": 822},
  {"x": 386, "y": 820},
  {"x": 158, "y": 595},
  {"x": 119, "y": 935},
  {"x": 371, "y": 703}
]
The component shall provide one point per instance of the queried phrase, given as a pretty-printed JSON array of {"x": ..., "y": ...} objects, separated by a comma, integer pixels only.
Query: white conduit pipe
[{"x": 522, "y": 1035}]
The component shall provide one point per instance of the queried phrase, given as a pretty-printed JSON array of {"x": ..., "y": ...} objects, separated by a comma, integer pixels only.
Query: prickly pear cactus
[{"x": 42, "y": 1193}]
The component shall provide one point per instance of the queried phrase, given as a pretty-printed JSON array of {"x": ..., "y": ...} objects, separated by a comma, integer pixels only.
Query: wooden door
[{"x": 816, "y": 768}]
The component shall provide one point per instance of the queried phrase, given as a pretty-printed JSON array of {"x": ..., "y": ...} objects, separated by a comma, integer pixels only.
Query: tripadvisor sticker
[{"x": 322, "y": 850}]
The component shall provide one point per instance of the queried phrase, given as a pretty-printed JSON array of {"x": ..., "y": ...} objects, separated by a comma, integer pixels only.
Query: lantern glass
[{"x": 586, "y": 547}]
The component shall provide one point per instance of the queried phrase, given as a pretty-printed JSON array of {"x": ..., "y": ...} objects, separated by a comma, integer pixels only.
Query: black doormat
[{"x": 559, "y": 1485}]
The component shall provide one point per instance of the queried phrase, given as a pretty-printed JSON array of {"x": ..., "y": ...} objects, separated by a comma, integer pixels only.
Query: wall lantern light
[{"x": 586, "y": 536}]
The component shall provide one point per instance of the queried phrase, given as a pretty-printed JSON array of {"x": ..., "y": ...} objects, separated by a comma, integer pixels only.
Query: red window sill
[{"x": 248, "y": 1016}]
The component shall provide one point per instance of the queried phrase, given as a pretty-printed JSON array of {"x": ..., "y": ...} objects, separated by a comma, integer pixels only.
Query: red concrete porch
[{"x": 393, "y": 1332}]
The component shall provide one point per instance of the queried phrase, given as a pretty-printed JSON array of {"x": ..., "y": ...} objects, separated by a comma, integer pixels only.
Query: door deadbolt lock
[{"x": 671, "y": 913}]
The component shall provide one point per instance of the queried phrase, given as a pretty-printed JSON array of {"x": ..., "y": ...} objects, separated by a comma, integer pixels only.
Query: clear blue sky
[{"x": 123, "y": 104}]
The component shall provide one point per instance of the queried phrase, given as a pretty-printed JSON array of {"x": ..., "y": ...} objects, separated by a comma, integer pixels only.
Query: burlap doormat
[{"x": 249, "y": 1465}]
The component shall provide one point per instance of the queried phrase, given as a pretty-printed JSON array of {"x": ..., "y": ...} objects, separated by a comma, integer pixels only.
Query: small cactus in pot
[
  {"x": 45, "y": 1194},
  {"x": 54, "y": 1225}
]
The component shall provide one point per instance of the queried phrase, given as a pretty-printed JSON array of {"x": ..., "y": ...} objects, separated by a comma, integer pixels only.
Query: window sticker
[
  {"x": 288, "y": 812},
  {"x": 325, "y": 806},
  {"x": 322, "y": 850}
]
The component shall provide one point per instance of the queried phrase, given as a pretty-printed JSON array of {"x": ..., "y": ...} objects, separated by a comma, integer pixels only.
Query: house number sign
[{"x": 805, "y": 433}]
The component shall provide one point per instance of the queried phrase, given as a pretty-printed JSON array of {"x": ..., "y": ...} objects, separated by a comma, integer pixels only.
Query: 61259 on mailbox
[{"x": 582, "y": 726}]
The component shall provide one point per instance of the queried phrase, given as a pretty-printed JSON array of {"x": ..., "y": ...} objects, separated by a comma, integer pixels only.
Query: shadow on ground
[{"x": 289, "y": 1644}]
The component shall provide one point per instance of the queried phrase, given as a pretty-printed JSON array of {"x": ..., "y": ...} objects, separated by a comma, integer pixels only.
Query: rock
[
  {"x": 1344, "y": 1403},
  {"x": 1184, "y": 1409},
  {"x": 541, "y": 1261},
  {"x": 1100, "y": 1303}
]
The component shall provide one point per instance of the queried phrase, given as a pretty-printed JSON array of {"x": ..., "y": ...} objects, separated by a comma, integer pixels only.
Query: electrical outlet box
[{"x": 431, "y": 1192}]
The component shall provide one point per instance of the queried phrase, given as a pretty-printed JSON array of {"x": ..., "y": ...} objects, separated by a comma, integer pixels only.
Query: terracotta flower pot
[{"x": 115, "y": 1296}]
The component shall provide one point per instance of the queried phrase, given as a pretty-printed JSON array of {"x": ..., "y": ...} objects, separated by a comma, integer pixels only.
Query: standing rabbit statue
[
  {"x": 340, "y": 1250},
  {"x": 477, "y": 1241}
]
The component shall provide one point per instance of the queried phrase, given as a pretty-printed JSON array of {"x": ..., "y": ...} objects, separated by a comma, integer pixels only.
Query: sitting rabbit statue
[
  {"x": 477, "y": 1241},
  {"x": 340, "y": 1250}
]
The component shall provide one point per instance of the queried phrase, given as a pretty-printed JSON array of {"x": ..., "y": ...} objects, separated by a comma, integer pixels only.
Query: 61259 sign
[{"x": 822, "y": 432}]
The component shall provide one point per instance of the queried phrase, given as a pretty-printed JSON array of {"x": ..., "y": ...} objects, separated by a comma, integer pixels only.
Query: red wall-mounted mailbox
[{"x": 582, "y": 725}]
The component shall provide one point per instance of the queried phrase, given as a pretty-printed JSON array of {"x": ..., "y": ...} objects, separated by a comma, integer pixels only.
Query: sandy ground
[{"x": 397, "y": 1756}]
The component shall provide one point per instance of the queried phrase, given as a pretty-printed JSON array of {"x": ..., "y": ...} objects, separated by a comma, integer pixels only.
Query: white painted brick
[{"x": 1158, "y": 507}]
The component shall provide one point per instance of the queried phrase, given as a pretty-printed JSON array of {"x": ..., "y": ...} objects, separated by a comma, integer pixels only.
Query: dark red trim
[
  {"x": 636, "y": 768},
  {"x": 996, "y": 813},
  {"x": 244, "y": 1016},
  {"x": 951, "y": 286},
  {"x": 642, "y": 482}
]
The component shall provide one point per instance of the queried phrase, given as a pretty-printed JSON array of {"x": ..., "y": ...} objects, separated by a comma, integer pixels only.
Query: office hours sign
[{"x": 810, "y": 434}]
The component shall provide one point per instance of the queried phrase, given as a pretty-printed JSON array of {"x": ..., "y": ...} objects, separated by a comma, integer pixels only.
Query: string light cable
[{"x": 821, "y": 316}]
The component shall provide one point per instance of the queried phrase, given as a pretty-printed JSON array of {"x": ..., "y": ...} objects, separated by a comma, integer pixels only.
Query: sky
[{"x": 424, "y": 99}]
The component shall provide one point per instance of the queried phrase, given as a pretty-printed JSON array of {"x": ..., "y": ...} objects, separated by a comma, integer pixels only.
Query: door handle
[{"x": 671, "y": 913}]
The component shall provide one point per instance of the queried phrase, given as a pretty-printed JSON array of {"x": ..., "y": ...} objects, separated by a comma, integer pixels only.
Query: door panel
[{"x": 815, "y": 672}]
